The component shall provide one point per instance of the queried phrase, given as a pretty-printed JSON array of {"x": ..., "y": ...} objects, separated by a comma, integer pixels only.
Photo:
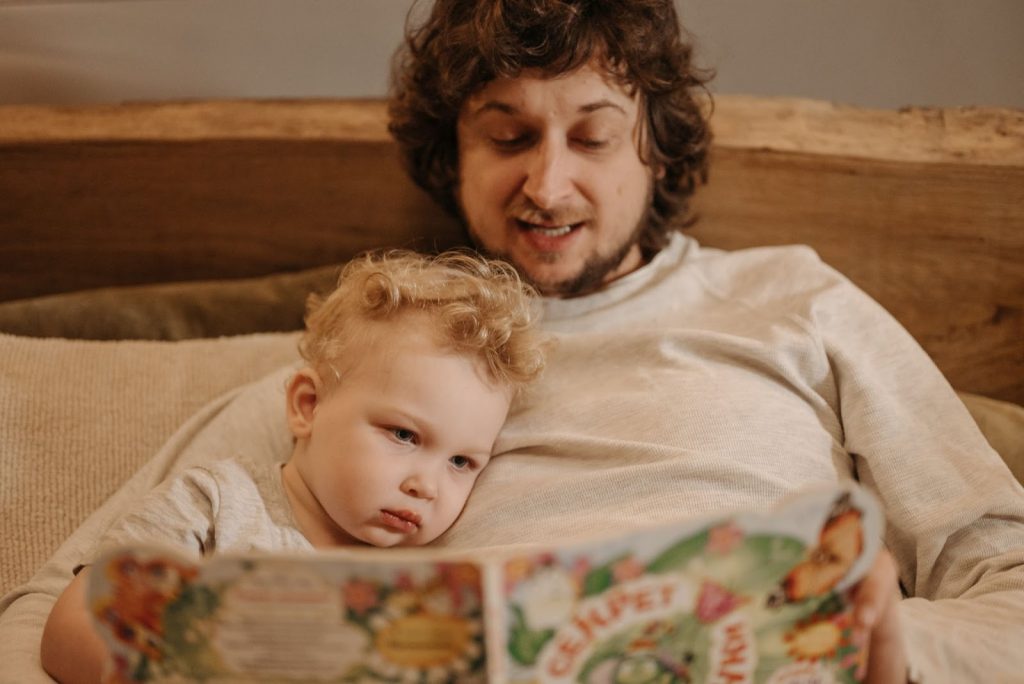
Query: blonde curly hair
[{"x": 480, "y": 307}]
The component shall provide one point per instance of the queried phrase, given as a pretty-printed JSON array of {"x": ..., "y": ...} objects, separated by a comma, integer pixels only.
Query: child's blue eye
[
  {"x": 461, "y": 462},
  {"x": 403, "y": 435}
]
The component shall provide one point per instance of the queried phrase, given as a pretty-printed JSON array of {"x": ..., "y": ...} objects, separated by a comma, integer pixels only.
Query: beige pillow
[
  {"x": 78, "y": 418},
  {"x": 1003, "y": 425}
]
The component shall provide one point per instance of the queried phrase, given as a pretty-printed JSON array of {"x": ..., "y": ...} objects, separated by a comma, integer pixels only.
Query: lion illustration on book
[{"x": 840, "y": 543}]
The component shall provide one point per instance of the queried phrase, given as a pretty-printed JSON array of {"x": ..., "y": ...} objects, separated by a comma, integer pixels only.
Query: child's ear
[{"x": 302, "y": 396}]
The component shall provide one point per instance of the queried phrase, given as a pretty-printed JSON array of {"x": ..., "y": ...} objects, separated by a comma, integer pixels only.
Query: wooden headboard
[{"x": 924, "y": 209}]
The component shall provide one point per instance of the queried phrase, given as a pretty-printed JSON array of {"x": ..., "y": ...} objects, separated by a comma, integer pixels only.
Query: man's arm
[
  {"x": 71, "y": 650},
  {"x": 955, "y": 515}
]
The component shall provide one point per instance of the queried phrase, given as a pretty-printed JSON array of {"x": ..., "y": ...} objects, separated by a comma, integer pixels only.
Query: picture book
[{"x": 757, "y": 596}]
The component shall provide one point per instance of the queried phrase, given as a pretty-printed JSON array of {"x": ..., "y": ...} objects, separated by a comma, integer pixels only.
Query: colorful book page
[
  {"x": 747, "y": 598},
  {"x": 289, "y": 618}
]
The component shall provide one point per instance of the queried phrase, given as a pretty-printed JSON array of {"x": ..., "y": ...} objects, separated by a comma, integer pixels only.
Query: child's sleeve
[{"x": 181, "y": 512}]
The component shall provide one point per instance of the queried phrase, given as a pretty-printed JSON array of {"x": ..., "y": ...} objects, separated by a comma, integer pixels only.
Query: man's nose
[
  {"x": 549, "y": 175},
  {"x": 419, "y": 486}
]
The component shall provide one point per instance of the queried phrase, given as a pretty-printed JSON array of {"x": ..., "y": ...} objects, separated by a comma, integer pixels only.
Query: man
[{"x": 568, "y": 138}]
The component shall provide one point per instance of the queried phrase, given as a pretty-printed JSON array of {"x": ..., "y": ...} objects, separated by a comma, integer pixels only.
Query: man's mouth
[
  {"x": 400, "y": 520},
  {"x": 547, "y": 229}
]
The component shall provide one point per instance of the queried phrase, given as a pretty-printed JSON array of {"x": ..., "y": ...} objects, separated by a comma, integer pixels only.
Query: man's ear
[{"x": 302, "y": 396}]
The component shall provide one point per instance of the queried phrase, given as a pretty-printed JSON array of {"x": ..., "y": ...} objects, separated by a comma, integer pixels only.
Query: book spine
[{"x": 495, "y": 621}]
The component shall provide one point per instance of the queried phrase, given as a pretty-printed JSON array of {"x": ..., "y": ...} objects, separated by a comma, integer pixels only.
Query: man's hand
[{"x": 876, "y": 615}]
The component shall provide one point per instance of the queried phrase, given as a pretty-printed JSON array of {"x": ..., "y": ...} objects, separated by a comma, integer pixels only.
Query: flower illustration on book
[
  {"x": 403, "y": 602},
  {"x": 724, "y": 538},
  {"x": 580, "y": 568},
  {"x": 820, "y": 637},
  {"x": 840, "y": 544},
  {"x": 422, "y": 626},
  {"x": 437, "y": 646},
  {"x": 715, "y": 601},
  {"x": 459, "y": 588},
  {"x": 360, "y": 596},
  {"x": 627, "y": 568}
]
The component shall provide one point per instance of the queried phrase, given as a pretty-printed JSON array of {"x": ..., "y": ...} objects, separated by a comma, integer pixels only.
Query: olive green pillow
[{"x": 172, "y": 311}]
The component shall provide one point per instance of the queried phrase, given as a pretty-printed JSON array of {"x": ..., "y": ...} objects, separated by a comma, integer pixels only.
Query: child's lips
[{"x": 400, "y": 520}]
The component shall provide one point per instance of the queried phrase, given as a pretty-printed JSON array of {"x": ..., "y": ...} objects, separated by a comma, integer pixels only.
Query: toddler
[{"x": 410, "y": 367}]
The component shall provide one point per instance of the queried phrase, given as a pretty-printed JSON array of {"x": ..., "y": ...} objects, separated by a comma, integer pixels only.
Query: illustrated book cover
[{"x": 746, "y": 597}]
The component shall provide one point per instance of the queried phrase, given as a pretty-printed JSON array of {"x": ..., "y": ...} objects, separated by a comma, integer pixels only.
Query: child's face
[{"x": 390, "y": 455}]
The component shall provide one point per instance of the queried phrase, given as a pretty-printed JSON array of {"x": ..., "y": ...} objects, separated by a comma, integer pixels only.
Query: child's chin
[{"x": 388, "y": 541}]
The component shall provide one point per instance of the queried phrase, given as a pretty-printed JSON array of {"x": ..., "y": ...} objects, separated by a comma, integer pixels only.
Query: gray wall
[{"x": 875, "y": 53}]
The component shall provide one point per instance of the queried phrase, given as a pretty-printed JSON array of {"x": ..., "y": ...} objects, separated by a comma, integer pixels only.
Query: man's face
[
  {"x": 551, "y": 177},
  {"x": 390, "y": 456}
]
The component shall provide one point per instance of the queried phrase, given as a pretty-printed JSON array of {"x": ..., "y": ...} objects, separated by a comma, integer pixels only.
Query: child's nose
[{"x": 419, "y": 487}]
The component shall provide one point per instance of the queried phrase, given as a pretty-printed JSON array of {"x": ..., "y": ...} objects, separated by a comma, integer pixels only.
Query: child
[{"x": 410, "y": 367}]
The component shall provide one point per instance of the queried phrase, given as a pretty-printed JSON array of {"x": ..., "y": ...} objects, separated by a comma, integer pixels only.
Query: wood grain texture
[
  {"x": 93, "y": 214},
  {"x": 924, "y": 209},
  {"x": 346, "y": 120},
  {"x": 962, "y": 135}
]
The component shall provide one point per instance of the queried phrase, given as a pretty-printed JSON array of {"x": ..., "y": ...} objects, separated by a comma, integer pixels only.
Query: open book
[{"x": 745, "y": 597}]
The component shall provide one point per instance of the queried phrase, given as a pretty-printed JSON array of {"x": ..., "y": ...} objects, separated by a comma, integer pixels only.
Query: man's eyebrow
[
  {"x": 495, "y": 106},
  {"x": 600, "y": 104},
  {"x": 505, "y": 108}
]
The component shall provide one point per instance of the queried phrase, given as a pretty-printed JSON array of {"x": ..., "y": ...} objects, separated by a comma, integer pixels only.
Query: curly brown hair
[{"x": 464, "y": 44}]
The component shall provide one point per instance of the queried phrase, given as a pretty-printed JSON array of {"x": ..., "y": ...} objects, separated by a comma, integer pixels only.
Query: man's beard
[{"x": 590, "y": 278}]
